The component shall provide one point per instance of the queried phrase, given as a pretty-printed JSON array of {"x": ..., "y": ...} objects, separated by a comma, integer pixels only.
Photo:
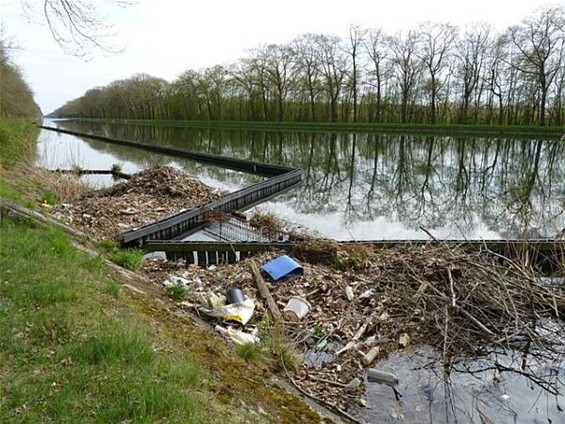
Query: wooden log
[{"x": 264, "y": 291}]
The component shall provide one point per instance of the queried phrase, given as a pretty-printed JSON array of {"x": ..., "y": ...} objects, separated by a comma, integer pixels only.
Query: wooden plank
[{"x": 264, "y": 291}]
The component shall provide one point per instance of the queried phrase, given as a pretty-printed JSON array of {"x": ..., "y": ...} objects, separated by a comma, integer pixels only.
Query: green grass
[
  {"x": 47, "y": 196},
  {"x": 71, "y": 352},
  {"x": 177, "y": 291},
  {"x": 107, "y": 245},
  {"x": 116, "y": 168},
  {"x": 17, "y": 146},
  {"x": 131, "y": 259},
  {"x": 250, "y": 351},
  {"x": 128, "y": 258}
]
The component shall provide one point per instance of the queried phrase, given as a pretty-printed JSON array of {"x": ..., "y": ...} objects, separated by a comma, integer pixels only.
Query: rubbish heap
[{"x": 148, "y": 196}]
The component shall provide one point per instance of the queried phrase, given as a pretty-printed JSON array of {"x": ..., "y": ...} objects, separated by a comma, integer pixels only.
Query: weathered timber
[
  {"x": 264, "y": 291},
  {"x": 250, "y": 167}
]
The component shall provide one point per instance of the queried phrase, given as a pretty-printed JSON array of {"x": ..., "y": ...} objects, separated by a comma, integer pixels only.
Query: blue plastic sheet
[{"x": 281, "y": 267}]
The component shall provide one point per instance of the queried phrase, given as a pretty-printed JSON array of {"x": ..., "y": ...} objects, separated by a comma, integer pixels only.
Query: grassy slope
[
  {"x": 73, "y": 352},
  {"x": 76, "y": 347}
]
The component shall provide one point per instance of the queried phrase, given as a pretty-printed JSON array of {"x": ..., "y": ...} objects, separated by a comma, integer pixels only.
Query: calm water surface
[{"x": 361, "y": 186}]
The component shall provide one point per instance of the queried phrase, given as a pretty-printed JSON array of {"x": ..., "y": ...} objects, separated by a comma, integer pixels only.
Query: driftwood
[{"x": 264, "y": 291}]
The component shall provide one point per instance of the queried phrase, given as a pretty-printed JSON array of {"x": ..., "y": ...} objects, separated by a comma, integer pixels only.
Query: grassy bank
[
  {"x": 73, "y": 350},
  {"x": 416, "y": 129}
]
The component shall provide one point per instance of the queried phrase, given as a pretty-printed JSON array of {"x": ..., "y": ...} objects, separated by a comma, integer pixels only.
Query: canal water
[
  {"x": 362, "y": 186},
  {"x": 474, "y": 391},
  {"x": 384, "y": 187}
]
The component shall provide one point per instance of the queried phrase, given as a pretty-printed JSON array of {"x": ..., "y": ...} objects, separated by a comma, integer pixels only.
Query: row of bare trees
[{"x": 435, "y": 73}]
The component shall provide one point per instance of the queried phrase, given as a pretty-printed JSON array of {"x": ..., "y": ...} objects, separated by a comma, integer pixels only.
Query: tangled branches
[{"x": 464, "y": 302}]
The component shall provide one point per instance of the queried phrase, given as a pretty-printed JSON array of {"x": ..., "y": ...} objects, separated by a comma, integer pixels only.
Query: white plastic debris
[
  {"x": 237, "y": 336},
  {"x": 176, "y": 281},
  {"x": 349, "y": 293},
  {"x": 129, "y": 211},
  {"x": 240, "y": 312}
]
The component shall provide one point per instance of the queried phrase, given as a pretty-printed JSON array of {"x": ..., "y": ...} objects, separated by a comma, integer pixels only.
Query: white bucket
[{"x": 295, "y": 309}]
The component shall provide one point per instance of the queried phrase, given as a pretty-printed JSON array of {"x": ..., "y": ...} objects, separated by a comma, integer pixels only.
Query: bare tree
[
  {"x": 470, "y": 55},
  {"x": 540, "y": 41},
  {"x": 356, "y": 38},
  {"x": 333, "y": 69},
  {"x": 377, "y": 49},
  {"x": 308, "y": 69},
  {"x": 407, "y": 67},
  {"x": 435, "y": 49},
  {"x": 280, "y": 74},
  {"x": 80, "y": 27}
]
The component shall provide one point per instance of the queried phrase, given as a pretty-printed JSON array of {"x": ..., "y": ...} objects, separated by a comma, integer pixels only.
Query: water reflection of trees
[{"x": 517, "y": 187}]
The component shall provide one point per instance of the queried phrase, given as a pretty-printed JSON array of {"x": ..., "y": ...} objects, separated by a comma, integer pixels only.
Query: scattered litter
[
  {"x": 404, "y": 340},
  {"x": 282, "y": 266},
  {"x": 349, "y": 293},
  {"x": 234, "y": 296},
  {"x": 295, "y": 309},
  {"x": 129, "y": 211},
  {"x": 212, "y": 300},
  {"x": 175, "y": 280},
  {"x": 370, "y": 356},
  {"x": 148, "y": 196},
  {"x": 240, "y": 312},
  {"x": 392, "y": 297},
  {"x": 382, "y": 377},
  {"x": 237, "y": 336}
]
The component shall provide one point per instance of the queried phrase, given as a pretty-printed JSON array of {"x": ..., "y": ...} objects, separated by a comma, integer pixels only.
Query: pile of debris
[
  {"x": 365, "y": 303},
  {"x": 148, "y": 196},
  {"x": 359, "y": 303}
]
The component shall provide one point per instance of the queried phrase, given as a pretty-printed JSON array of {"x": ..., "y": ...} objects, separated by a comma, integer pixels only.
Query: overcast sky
[{"x": 166, "y": 37}]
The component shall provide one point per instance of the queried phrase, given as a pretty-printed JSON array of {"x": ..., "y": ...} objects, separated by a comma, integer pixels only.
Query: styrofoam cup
[{"x": 295, "y": 309}]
